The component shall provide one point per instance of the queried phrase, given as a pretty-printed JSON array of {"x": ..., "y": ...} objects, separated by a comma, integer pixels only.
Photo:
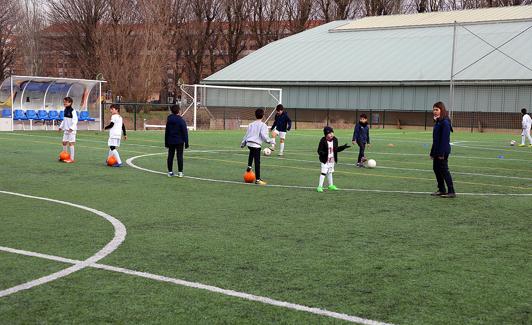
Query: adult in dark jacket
[
  {"x": 175, "y": 139},
  {"x": 281, "y": 125},
  {"x": 361, "y": 137},
  {"x": 441, "y": 149},
  {"x": 328, "y": 150}
]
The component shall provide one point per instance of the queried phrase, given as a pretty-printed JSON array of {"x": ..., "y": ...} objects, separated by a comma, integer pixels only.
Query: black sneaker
[{"x": 248, "y": 169}]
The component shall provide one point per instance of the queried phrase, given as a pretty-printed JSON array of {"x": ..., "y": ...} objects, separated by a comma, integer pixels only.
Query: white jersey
[
  {"x": 330, "y": 150},
  {"x": 527, "y": 122},
  {"x": 70, "y": 123},
  {"x": 116, "y": 131}
]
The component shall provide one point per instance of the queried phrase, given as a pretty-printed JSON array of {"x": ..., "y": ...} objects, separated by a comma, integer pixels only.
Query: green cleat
[
  {"x": 319, "y": 189},
  {"x": 333, "y": 188},
  {"x": 521, "y": 145}
]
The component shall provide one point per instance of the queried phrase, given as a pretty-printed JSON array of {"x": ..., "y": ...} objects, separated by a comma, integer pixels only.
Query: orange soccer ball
[
  {"x": 111, "y": 161},
  {"x": 249, "y": 177},
  {"x": 64, "y": 156}
]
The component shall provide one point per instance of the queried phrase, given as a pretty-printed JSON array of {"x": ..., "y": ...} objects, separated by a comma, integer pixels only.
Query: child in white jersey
[
  {"x": 116, "y": 130},
  {"x": 527, "y": 125},
  {"x": 328, "y": 154},
  {"x": 69, "y": 126}
]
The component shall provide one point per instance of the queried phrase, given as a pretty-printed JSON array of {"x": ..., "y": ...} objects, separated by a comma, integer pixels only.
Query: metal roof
[
  {"x": 470, "y": 16},
  {"x": 402, "y": 55}
]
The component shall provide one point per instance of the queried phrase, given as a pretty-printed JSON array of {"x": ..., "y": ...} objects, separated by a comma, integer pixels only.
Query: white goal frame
[{"x": 196, "y": 101}]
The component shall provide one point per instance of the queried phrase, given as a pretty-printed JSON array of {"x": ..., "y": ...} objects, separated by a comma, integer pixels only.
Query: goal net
[{"x": 210, "y": 107}]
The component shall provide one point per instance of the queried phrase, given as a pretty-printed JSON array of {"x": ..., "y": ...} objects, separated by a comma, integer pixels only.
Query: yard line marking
[
  {"x": 197, "y": 285},
  {"x": 130, "y": 163},
  {"x": 119, "y": 237}
]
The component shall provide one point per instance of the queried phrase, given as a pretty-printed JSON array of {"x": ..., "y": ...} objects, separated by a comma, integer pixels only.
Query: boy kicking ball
[
  {"x": 280, "y": 127},
  {"x": 256, "y": 134},
  {"x": 328, "y": 152},
  {"x": 116, "y": 129}
]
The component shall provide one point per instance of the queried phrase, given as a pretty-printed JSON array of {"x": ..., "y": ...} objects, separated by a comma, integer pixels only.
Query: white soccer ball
[
  {"x": 513, "y": 142},
  {"x": 267, "y": 151},
  {"x": 372, "y": 163}
]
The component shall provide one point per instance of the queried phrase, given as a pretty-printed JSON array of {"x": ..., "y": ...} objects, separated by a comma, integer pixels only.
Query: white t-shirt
[
  {"x": 116, "y": 131},
  {"x": 527, "y": 121},
  {"x": 330, "y": 149}
]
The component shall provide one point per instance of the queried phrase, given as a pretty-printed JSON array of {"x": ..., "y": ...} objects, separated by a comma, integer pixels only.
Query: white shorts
[
  {"x": 526, "y": 131},
  {"x": 69, "y": 136},
  {"x": 113, "y": 142},
  {"x": 327, "y": 168},
  {"x": 282, "y": 135}
]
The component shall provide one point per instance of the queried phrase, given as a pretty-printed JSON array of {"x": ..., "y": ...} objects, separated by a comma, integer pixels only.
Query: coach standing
[{"x": 441, "y": 149}]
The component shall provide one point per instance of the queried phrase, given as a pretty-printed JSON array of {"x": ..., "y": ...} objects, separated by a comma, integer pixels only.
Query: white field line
[
  {"x": 130, "y": 163},
  {"x": 119, "y": 237},
  {"x": 425, "y": 170},
  {"x": 196, "y": 285},
  {"x": 493, "y": 149}
]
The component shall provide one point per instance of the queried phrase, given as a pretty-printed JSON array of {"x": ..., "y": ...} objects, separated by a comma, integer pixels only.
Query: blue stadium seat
[
  {"x": 61, "y": 115},
  {"x": 31, "y": 114},
  {"x": 53, "y": 115},
  {"x": 20, "y": 115},
  {"x": 43, "y": 115},
  {"x": 6, "y": 113},
  {"x": 84, "y": 116}
]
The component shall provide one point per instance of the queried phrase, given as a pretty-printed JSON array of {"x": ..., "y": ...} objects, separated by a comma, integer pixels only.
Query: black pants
[
  {"x": 172, "y": 148},
  {"x": 362, "y": 148},
  {"x": 254, "y": 155},
  {"x": 443, "y": 176}
]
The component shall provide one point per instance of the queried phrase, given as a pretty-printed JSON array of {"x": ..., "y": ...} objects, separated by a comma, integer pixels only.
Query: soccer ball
[
  {"x": 372, "y": 163},
  {"x": 513, "y": 142},
  {"x": 111, "y": 161},
  {"x": 267, "y": 151},
  {"x": 249, "y": 177},
  {"x": 64, "y": 156}
]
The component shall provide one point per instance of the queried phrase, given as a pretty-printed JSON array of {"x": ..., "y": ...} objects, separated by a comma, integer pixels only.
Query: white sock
[
  {"x": 72, "y": 152},
  {"x": 329, "y": 179},
  {"x": 529, "y": 138},
  {"x": 282, "y": 147},
  {"x": 65, "y": 148},
  {"x": 117, "y": 156},
  {"x": 322, "y": 179},
  {"x": 523, "y": 140},
  {"x": 109, "y": 154}
]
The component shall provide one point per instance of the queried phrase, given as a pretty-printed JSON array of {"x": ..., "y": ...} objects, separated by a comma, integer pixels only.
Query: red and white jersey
[{"x": 330, "y": 150}]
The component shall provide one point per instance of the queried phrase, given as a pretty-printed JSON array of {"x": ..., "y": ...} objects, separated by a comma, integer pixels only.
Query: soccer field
[{"x": 93, "y": 244}]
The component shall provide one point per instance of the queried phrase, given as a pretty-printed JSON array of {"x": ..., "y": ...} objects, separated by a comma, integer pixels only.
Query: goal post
[{"x": 226, "y": 107}]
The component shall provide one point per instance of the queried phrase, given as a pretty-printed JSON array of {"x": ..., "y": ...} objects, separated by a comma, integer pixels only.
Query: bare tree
[
  {"x": 9, "y": 15},
  {"x": 329, "y": 10},
  {"x": 233, "y": 26},
  {"x": 78, "y": 22},
  {"x": 195, "y": 35},
  {"x": 382, "y": 7},
  {"x": 299, "y": 12},
  {"x": 30, "y": 33},
  {"x": 267, "y": 21}
]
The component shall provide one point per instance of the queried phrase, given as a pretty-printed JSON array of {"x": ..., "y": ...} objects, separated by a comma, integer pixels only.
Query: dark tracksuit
[
  {"x": 323, "y": 149},
  {"x": 282, "y": 123},
  {"x": 361, "y": 137},
  {"x": 440, "y": 151},
  {"x": 175, "y": 138}
]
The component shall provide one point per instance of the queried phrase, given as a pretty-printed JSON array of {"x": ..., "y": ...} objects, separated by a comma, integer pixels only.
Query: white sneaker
[
  {"x": 171, "y": 174},
  {"x": 180, "y": 174}
]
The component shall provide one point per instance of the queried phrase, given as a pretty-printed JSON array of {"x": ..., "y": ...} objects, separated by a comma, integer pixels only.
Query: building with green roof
[{"x": 400, "y": 64}]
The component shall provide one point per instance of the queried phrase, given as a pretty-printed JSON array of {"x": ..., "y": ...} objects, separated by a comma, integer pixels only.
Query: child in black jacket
[
  {"x": 328, "y": 152},
  {"x": 361, "y": 138}
]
